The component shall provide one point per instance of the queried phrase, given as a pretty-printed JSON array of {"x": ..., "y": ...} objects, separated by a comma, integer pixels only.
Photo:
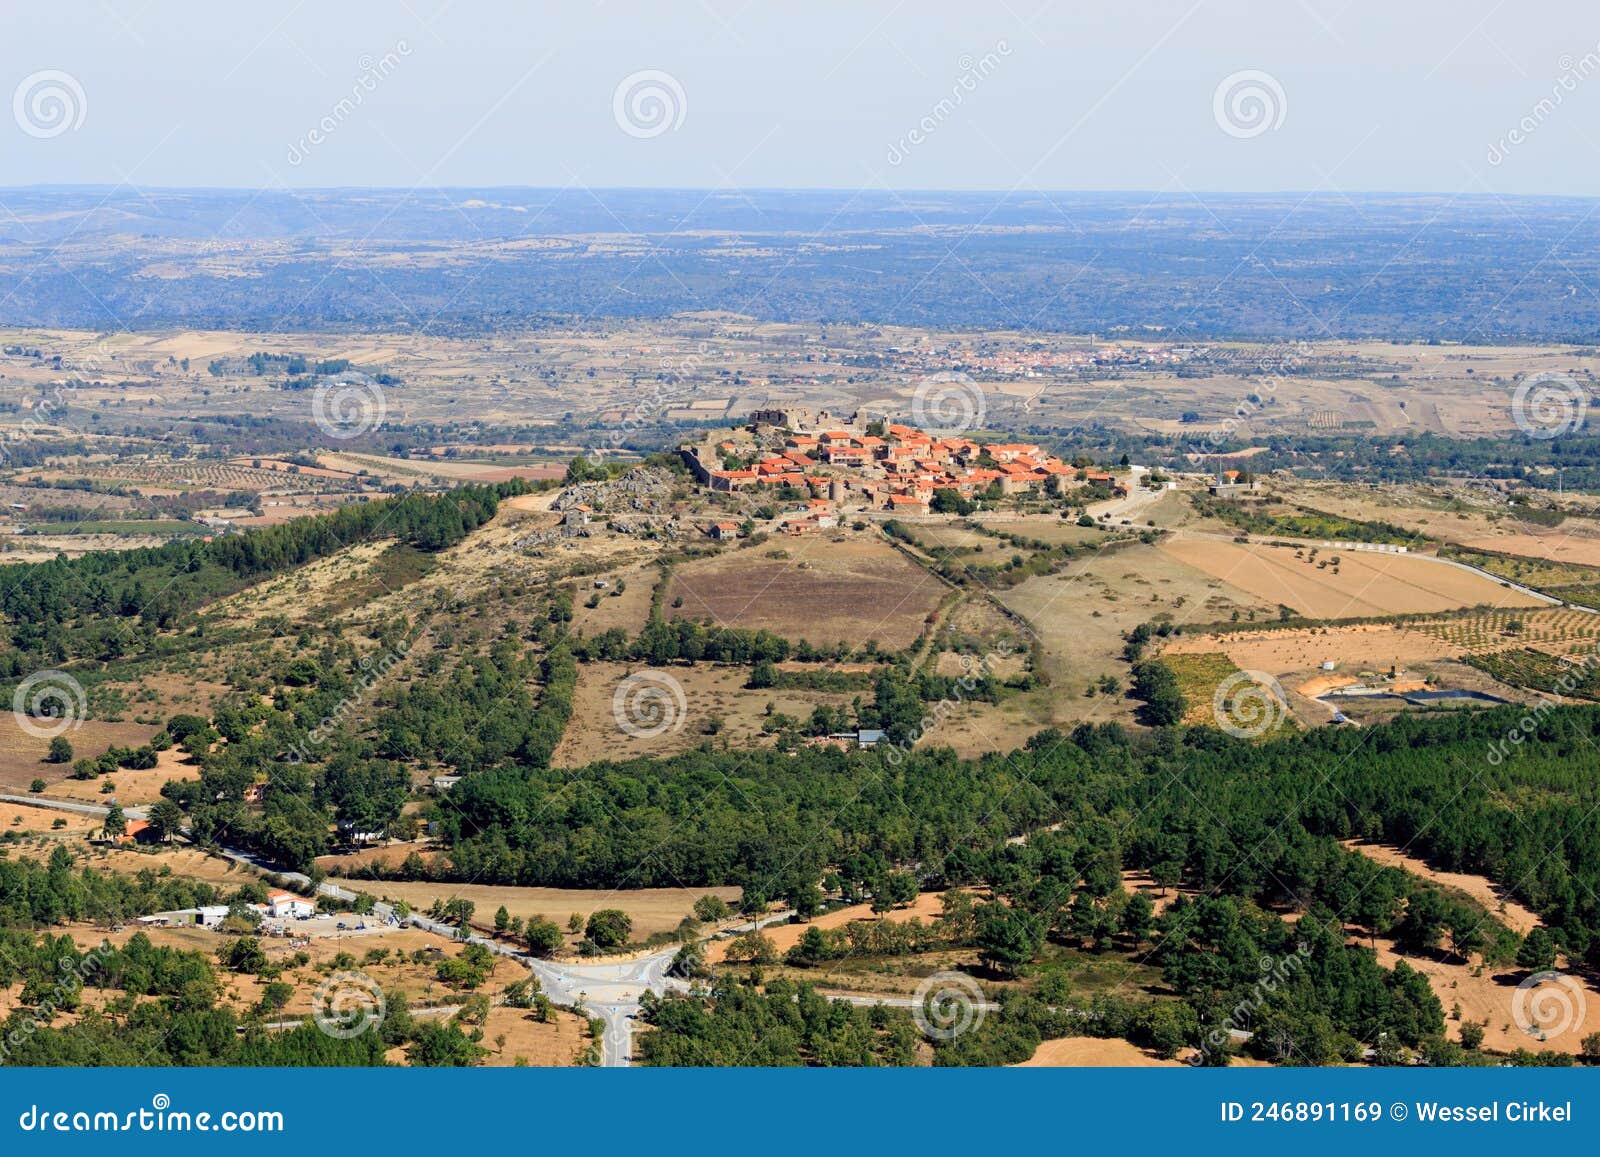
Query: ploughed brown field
[{"x": 821, "y": 590}]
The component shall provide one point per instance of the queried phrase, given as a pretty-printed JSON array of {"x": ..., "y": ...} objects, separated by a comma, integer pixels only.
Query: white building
[{"x": 286, "y": 905}]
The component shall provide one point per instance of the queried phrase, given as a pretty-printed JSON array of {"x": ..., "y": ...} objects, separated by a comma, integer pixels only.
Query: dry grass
[
  {"x": 708, "y": 692},
  {"x": 652, "y": 909},
  {"x": 22, "y": 755}
]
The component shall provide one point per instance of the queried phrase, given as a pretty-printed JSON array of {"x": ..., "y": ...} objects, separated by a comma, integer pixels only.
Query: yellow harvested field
[
  {"x": 1560, "y": 545},
  {"x": 134, "y": 788},
  {"x": 513, "y": 1036},
  {"x": 21, "y": 817},
  {"x": 1365, "y": 584},
  {"x": 652, "y": 909},
  {"x": 1355, "y": 647},
  {"x": 1087, "y": 1052}
]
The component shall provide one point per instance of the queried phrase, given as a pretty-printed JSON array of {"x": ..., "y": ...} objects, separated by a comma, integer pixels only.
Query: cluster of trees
[
  {"x": 1157, "y": 687},
  {"x": 784, "y": 1025},
  {"x": 33, "y": 894},
  {"x": 665, "y": 641},
  {"x": 109, "y": 603},
  {"x": 286, "y": 772},
  {"x": 184, "y": 1025}
]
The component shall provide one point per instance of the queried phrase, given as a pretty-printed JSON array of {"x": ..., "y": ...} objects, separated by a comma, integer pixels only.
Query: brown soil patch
[
  {"x": 1487, "y": 997},
  {"x": 1355, "y": 647},
  {"x": 825, "y": 591},
  {"x": 593, "y": 732}
]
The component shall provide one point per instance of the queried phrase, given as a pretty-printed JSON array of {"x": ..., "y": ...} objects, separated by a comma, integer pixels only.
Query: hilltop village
[{"x": 879, "y": 465}]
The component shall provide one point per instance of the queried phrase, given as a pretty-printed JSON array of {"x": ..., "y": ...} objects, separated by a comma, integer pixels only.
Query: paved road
[
  {"x": 609, "y": 989},
  {"x": 84, "y": 809}
]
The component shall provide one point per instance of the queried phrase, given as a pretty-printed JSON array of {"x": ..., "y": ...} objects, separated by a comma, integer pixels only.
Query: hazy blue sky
[{"x": 1440, "y": 95}]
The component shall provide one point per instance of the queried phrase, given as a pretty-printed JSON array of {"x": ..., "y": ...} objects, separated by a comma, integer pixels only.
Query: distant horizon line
[{"x": 841, "y": 190}]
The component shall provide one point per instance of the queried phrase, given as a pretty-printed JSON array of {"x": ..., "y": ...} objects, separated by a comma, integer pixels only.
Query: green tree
[
  {"x": 60, "y": 750},
  {"x": 116, "y": 825},
  {"x": 1008, "y": 938},
  {"x": 608, "y": 928},
  {"x": 166, "y": 818},
  {"x": 708, "y": 909},
  {"x": 544, "y": 936},
  {"x": 1537, "y": 952}
]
